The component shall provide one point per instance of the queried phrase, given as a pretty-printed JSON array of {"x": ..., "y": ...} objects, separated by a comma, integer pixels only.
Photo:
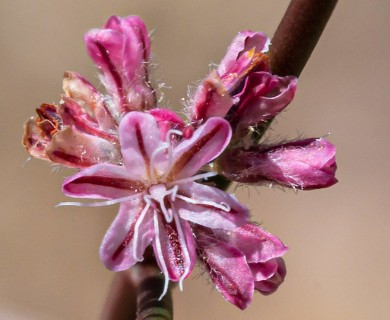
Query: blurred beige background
[{"x": 339, "y": 238}]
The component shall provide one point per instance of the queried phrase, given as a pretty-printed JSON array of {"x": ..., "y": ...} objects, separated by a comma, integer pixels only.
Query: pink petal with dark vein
[
  {"x": 72, "y": 114},
  {"x": 125, "y": 237},
  {"x": 101, "y": 181},
  {"x": 139, "y": 136},
  {"x": 76, "y": 149},
  {"x": 174, "y": 249},
  {"x": 206, "y": 143},
  {"x": 89, "y": 99},
  {"x": 211, "y": 99}
]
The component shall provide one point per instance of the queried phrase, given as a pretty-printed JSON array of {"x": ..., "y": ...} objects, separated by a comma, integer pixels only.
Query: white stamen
[
  {"x": 160, "y": 257},
  {"x": 136, "y": 228},
  {"x": 174, "y": 192},
  {"x": 223, "y": 206},
  {"x": 98, "y": 203},
  {"x": 197, "y": 177}
]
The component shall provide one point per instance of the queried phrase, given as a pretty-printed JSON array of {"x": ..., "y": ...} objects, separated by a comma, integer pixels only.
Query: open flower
[
  {"x": 159, "y": 198},
  {"x": 242, "y": 260}
]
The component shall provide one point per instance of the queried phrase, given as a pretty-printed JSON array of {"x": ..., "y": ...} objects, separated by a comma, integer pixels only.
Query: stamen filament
[
  {"x": 136, "y": 228},
  {"x": 98, "y": 203},
  {"x": 223, "y": 206},
  {"x": 196, "y": 177}
]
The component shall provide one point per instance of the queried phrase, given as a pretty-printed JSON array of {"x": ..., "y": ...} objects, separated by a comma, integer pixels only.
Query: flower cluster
[{"x": 157, "y": 167}]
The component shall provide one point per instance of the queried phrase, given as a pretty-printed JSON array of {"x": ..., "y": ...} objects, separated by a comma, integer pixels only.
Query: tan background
[{"x": 339, "y": 243}]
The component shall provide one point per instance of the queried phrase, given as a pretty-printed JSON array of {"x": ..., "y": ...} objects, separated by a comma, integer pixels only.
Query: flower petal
[
  {"x": 244, "y": 55},
  {"x": 201, "y": 210},
  {"x": 139, "y": 136},
  {"x": 257, "y": 245},
  {"x": 33, "y": 141},
  {"x": 174, "y": 247},
  {"x": 270, "y": 285},
  {"x": 101, "y": 181},
  {"x": 263, "y": 96},
  {"x": 128, "y": 236},
  {"x": 228, "y": 270},
  {"x": 73, "y": 114},
  {"x": 211, "y": 99},
  {"x": 167, "y": 120},
  {"x": 206, "y": 143},
  {"x": 89, "y": 99},
  {"x": 264, "y": 270},
  {"x": 75, "y": 149}
]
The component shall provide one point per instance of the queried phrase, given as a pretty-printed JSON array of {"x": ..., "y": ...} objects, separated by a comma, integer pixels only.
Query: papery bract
[{"x": 303, "y": 164}]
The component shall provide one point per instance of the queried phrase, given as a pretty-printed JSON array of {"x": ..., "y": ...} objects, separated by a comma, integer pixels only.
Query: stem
[
  {"x": 297, "y": 35},
  {"x": 134, "y": 294},
  {"x": 150, "y": 285}
]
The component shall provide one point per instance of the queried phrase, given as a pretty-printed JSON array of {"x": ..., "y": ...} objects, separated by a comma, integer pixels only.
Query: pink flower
[
  {"x": 83, "y": 129},
  {"x": 303, "y": 164},
  {"x": 241, "y": 261},
  {"x": 159, "y": 198},
  {"x": 242, "y": 90}
]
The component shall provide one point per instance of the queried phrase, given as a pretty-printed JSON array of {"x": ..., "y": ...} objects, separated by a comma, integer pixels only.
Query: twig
[{"x": 297, "y": 35}]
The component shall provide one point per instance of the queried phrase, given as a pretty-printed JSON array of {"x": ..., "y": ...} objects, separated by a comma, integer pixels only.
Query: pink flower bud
[
  {"x": 264, "y": 95},
  {"x": 303, "y": 164},
  {"x": 121, "y": 50}
]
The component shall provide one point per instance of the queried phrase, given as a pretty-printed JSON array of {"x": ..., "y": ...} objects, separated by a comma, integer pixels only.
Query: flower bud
[
  {"x": 121, "y": 50},
  {"x": 303, "y": 164}
]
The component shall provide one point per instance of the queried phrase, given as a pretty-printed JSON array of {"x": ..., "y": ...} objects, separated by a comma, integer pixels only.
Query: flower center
[{"x": 158, "y": 193}]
